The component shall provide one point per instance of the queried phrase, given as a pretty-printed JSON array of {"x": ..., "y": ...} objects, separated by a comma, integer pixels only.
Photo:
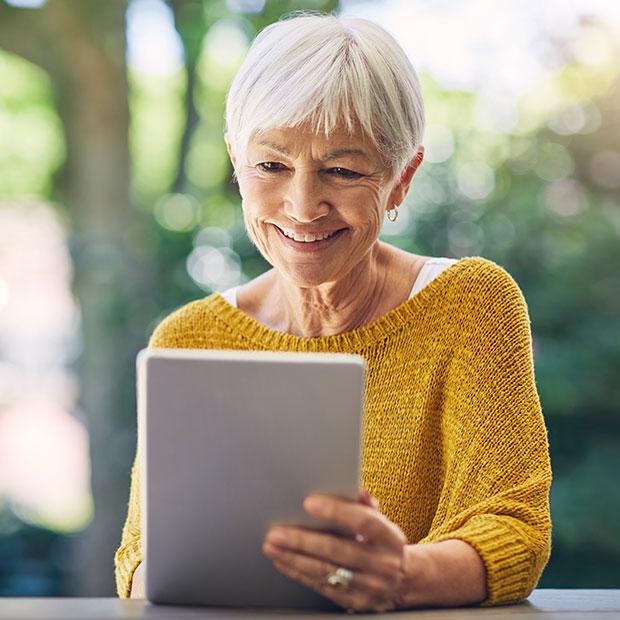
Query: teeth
[{"x": 307, "y": 238}]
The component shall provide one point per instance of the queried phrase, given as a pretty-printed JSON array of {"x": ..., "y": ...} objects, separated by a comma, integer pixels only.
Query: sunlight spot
[{"x": 153, "y": 44}]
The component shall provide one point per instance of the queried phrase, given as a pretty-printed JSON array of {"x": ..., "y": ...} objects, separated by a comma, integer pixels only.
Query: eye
[
  {"x": 270, "y": 166},
  {"x": 345, "y": 173}
]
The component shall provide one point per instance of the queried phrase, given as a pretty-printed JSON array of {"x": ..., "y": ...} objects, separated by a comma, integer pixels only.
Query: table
[{"x": 552, "y": 604}]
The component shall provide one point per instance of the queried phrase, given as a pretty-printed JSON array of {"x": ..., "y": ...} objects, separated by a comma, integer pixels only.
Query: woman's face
[{"x": 298, "y": 187}]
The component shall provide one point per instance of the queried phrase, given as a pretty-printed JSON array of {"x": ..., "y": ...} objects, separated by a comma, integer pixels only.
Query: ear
[
  {"x": 231, "y": 153},
  {"x": 401, "y": 189}
]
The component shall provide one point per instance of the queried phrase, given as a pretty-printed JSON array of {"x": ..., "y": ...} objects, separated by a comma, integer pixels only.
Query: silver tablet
[{"x": 232, "y": 442}]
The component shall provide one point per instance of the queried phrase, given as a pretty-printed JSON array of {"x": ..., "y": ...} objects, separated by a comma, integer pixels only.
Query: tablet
[{"x": 231, "y": 442}]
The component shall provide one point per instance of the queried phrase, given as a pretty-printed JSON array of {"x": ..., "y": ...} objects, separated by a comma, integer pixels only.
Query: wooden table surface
[{"x": 552, "y": 604}]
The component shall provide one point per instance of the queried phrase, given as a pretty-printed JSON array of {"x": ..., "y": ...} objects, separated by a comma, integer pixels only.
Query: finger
[
  {"x": 367, "y": 499},
  {"x": 332, "y": 549},
  {"x": 318, "y": 570},
  {"x": 343, "y": 598},
  {"x": 342, "y": 551},
  {"x": 370, "y": 523}
]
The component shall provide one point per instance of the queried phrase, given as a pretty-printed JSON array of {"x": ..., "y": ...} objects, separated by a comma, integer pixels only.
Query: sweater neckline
[{"x": 249, "y": 328}]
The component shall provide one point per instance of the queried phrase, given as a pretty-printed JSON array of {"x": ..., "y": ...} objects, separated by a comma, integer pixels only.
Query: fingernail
[
  {"x": 270, "y": 549},
  {"x": 278, "y": 537},
  {"x": 315, "y": 503}
]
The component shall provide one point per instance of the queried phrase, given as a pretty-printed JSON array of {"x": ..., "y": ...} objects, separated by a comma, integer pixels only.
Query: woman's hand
[{"x": 375, "y": 556}]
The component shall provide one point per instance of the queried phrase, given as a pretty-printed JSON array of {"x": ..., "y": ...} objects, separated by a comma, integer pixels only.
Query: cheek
[
  {"x": 255, "y": 212},
  {"x": 366, "y": 213},
  {"x": 253, "y": 219},
  {"x": 259, "y": 199}
]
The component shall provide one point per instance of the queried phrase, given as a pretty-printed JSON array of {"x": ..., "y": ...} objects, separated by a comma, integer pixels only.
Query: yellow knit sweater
[{"x": 454, "y": 442}]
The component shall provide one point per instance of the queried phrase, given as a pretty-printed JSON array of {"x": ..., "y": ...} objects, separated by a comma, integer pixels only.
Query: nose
[{"x": 304, "y": 200}]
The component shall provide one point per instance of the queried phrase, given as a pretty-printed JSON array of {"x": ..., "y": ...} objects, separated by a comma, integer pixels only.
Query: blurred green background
[{"x": 117, "y": 206}]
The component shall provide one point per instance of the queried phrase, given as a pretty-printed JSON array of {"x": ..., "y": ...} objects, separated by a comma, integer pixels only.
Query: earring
[{"x": 392, "y": 214}]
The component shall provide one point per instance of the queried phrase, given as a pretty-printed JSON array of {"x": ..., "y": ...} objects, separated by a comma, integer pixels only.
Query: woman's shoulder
[
  {"x": 473, "y": 276},
  {"x": 486, "y": 280},
  {"x": 493, "y": 306},
  {"x": 478, "y": 292}
]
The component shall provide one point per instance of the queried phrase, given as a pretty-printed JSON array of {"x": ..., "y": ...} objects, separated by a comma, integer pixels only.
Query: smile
[
  {"x": 309, "y": 241},
  {"x": 308, "y": 238}
]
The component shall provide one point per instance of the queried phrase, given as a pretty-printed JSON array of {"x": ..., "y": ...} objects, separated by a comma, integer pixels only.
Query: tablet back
[{"x": 232, "y": 441}]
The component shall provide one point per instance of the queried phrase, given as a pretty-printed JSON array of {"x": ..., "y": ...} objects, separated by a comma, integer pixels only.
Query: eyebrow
[{"x": 335, "y": 154}]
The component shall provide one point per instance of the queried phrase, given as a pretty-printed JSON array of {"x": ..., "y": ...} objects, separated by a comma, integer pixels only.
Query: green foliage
[
  {"x": 157, "y": 120},
  {"x": 31, "y": 136}
]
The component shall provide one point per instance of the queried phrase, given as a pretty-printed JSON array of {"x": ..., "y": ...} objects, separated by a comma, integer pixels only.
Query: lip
[{"x": 314, "y": 246}]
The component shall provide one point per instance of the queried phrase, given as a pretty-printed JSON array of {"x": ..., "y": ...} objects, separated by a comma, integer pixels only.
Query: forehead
[{"x": 338, "y": 142}]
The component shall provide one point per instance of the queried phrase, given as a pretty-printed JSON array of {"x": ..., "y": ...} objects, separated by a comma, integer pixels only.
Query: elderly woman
[{"x": 324, "y": 123}]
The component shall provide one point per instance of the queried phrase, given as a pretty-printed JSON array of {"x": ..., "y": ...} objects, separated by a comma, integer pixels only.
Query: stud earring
[{"x": 392, "y": 214}]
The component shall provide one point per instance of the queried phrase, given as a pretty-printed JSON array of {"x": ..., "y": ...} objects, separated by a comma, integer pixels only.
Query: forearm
[
  {"x": 137, "y": 583},
  {"x": 448, "y": 573}
]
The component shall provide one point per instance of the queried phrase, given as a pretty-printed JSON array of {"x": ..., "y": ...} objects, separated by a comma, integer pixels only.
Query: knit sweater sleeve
[
  {"x": 129, "y": 554},
  {"x": 495, "y": 449}
]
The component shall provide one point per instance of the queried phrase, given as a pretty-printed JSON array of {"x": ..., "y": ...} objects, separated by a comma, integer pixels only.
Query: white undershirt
[{"x": 430, "y": 270}]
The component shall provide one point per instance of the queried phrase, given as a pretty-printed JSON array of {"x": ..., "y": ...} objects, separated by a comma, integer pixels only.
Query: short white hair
[{"x": 328, "y": 70}]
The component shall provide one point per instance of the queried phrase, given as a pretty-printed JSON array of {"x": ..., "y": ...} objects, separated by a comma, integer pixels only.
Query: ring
[{"x": 341, "y": 578}]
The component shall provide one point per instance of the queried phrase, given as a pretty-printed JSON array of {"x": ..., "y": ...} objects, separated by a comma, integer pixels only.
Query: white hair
[{"x": 328, "y": 70}]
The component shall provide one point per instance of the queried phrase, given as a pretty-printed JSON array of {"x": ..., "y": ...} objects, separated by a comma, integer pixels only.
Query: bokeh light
[
  {"x": 224, "y": 48},
  {"x": 153, "y": 44},
  {"x": 605, "y": 169},
  {"x": 44, "y": 454},
  {"x": 438, "y": 143},
  {"x": 476, "y": 180},
  {"x": 566, "y": 197},
  {"x": 214, "y": 269},
  {"x": 553, "y": 162},
  {"x": 177, "y": 212},
  {"x": 246, "y": 6}
]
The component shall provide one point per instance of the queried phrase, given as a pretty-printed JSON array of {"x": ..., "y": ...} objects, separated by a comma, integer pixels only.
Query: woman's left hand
[{"x": 375, "y": 556}]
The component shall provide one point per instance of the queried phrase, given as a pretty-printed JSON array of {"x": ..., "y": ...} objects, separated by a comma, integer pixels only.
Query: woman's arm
[
  {"x": 497, "y": 472},
  {"x": 445, "y": 574},
  {"x": 129, "y": 554}
]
